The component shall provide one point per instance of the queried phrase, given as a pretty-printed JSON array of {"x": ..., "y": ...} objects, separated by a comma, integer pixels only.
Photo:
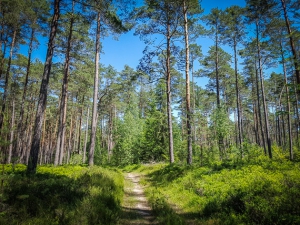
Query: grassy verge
[
  {"x": 264, "y": 192},
  {"x": 61, "y": 195}
]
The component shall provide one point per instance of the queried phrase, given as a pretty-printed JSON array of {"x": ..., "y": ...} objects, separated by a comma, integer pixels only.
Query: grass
[
  {"x": 255, "y": 190},
  {"x": 61, "y": 195},
  {"x": 260, "y": 192}
]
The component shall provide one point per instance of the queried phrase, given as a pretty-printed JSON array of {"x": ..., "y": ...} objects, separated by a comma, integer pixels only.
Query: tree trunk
[
  {"x": 220, "y": 138},
  {"x": 70, "y": 140},
  {"x": 259, "y": 111},
  {"x": 187, "y": 80},
  {"x": 12, "y": 124},
  {"x": 95, "y": 97},
  {"x": 35, "y": 147},
  {"x": 168, "y": 86},
  {"x": 79, "y": 131},
  {"x": 295, "y": 58},
  {"x": 263, "y": 95},
  {"x": 64, "y": 100},
  {"x": 288, "y": 104},
  {"x": 4, "y": 48},
  {"x": 20, "y": 128},
  {"x": 238, "y": 104},
  {"x": 86, "y": 136},
  {"x": 297, "y": 121},
  {"x": 5, "y": 93}
]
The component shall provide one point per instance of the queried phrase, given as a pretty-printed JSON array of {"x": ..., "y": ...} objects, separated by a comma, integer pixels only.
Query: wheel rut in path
[{"x": 135, "y": 207}]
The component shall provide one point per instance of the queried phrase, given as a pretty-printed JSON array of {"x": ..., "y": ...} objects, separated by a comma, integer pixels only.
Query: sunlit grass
[{"x": 249, "y": 192}]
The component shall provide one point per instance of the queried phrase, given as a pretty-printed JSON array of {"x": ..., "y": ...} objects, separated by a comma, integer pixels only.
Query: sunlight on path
[{"x": 135, "y": 206}]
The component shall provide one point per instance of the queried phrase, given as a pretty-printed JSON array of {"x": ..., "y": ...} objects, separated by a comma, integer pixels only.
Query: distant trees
[
  {"x": 158, "y": 111},
  {"x": 161, "y": 18}
]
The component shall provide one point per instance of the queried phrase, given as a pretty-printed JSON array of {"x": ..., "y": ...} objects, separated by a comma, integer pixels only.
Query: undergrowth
[
  {"x": 60, "y": 195},
  {"x": 260, "y": 191}
]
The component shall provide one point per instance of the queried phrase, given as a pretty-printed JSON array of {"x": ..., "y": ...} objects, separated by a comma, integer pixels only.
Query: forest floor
[{"x": 136, "y": 209}]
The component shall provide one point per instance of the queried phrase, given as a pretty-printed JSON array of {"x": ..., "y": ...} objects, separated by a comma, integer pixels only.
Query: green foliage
[
  {"x": 165, "y": 214},
  {"x": 61, "y": 195},
  {"x": 154, "y": 142},
  {"x": 244, "y": 192},
  {"x": 220, "y": 123},
  {"x": 127, "y": 137}
]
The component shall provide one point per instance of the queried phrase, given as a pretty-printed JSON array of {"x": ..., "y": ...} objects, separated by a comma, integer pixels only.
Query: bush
[
  {"x": 249, "y": 191},
  {"x": 62, "y": 195}
]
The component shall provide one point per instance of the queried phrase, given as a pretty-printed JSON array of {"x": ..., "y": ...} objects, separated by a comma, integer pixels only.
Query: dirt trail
[{"x": 136, "y": 209}]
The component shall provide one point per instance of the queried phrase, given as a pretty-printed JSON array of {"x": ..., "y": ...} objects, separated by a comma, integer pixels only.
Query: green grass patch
[
  {"x": 267, "y": 192},
  {"x": 61, "y": 195}
]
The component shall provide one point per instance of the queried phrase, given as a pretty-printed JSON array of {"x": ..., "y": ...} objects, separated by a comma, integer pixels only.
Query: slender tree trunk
[
  {"x": 297, "y": 121},
  {"x": 187, "y": 80},
  {"x": 95, "y": 97},
  {"x": 279, "y": 131},
  {"x": 255, "y": 124},
  {"x": 20, "y": 128},
  {"x": 7, "y": 78},
  {"x": 259, "y": 111},
  {"x": 194, "y": 128},
  {"x": 255, "y": 113},
  {"x": 238, "y": 104},
  {"x": 263, "y": 95},
  {"x": 35, "y": 147},
  {"x": 110, "y": 134},
  {"x": 168, "y": 86},
  {"x": 64, "y": 99},
  {"x": 79, "y": 132},
  {"x": 43, "y": 142},
  {"x": 74, "y": 150},
  {"x": 283, "y": 131},
  {"x": 70, "y": 140},
  {"x": 4, "y": 53},
  {"x": 25, "y": 144},
  {"x": 220, "y": 138},
  {"x": 295, "y": 58},
  {"x": 12, "y": 124},
  {"x": 288, "y": 105},
  {"x": 86, "y": 136}
]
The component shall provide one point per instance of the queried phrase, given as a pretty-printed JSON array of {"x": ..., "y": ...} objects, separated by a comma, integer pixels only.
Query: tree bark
[
  {"x": 288, "y": 105},
  {"x": 187, "y": 85},
  {"x": 64, "y": 100},
  {"x": 238, "y": 104},
  {"x": 295, "y": 58},
  {"x": 86, "y": 136},
  {"x": 35, "y": 147},
  {"x": 168, "y": 86},
  {"x": 79, "y": 130},
  {"x": 259, "y": 111},
  {"x": 7, "y": 77},
  {"x": 20, "y": 127},
  {"x": 12, "y": 124},
  {"x": 95, "y": 97},
  {"x": 263, "y": 95}
]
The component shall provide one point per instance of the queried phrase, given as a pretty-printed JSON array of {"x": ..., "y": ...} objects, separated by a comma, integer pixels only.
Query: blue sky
[{"x": 128, "y": 49}]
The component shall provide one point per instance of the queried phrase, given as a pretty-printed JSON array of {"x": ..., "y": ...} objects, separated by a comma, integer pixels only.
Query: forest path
[{"x": 135, "y": 206}]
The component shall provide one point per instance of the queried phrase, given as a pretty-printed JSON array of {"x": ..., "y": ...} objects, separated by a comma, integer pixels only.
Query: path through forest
[{"x": 135, "y": 207}]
